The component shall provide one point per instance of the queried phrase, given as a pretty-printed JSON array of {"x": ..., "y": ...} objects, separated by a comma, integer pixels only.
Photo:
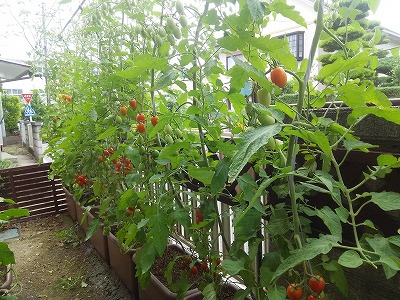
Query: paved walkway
[{"x": 14, "y": 151}]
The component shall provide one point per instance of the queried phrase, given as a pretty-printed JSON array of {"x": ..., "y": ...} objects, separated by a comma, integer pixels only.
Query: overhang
[{"x": 11, "y": 70}]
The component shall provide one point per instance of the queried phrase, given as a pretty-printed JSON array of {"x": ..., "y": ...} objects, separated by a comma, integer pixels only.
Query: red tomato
[
  {"x": 124, "y": 110},
  {"x": 204, "y": 266},
  {"x": 294, "y": 291},
  {"x": 218, "y": 261},
  {"x": 106, "y": 153},
  {"x": 111, "y": 150},
  {"x": 118, "y": 164},
  {"x": 316, "y": 283},
  {"x": 141, "y": 128},
  {"x": 100, "y": 159},
  {"x": 199, "y": 216},
  {"x": 154, "y": 120},
  {"x": 312, "y": 297},
  {"x": 279, "y": 77},
  {"x": 133, "y": 104},
  {"x": 140, "y": 118},
  {"x": 129, "y": 211},
  {"x": 127, "y": 161},
  {"x": 194, "y": 271}
]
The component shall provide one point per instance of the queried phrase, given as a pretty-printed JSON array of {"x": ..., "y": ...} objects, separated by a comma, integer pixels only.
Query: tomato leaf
[
  {"x": 204, "y": 175},
  {"x": 109, "y": 132},
  {"x": 288, "y": 11},
  {"x": 6, "y": 255},
  {"x": 220, "y": 176},
  {"x": 276, "y": 293},
  {"x": 251, "y": 142},
  {"x": 311, "y": 249},
  {"x": 233, "y": 267},
  {"x": 93, "y": 225},
  {"x": 386, "y": 200},
  {"x": 209, "y": 292},
  {"x": 256, "y": 9},
  {"x": 350, "y": 259}
]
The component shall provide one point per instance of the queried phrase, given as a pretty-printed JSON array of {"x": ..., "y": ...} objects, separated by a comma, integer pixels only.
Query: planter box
[
  {"x": 6, "y": 285},
  {"x": 123, "y": 265},
  {"x": 98, "y": 239},
  {"x": 156, "y": 290},
  {"x": 71, "y": 204}
]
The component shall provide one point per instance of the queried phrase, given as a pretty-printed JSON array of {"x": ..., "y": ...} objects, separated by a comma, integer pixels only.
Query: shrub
[
  {"x": 12, "y": 112},
  {"x": 390, "y": 91}
]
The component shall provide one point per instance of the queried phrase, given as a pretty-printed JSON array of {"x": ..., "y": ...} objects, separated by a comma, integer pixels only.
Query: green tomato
[
  {"x": 138, "y": 29},
  {"x": 266, "y": 119},
  {"x": 168, "y": 129},
  {"x": 171, "y": 39},
  {"x": 183, "y": 21},
  {"x": 264, "y": 97},
  {"x": 249, "y": 108},
  {"x": 170, "y": 24},
  {"x": 162, "y": 32},
  {"x": 179, "y": 7},
  {"x": 169, "y": 139},
  {"x": 178, "y": 133},
  {"x": 118, "y": 119},
  {"x": 158, "y": 40},
  {"x": 177, "y": 32}
]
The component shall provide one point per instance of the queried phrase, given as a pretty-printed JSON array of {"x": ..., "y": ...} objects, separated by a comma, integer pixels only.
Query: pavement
[{"x": 18, "y": 154}]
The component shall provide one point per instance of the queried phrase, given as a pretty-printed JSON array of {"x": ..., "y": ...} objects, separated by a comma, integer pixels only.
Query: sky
[{"x": 14, "y": 42}]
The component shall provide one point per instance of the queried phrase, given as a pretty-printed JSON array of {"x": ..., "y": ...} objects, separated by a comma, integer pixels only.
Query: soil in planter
[{"x": 161, "y": 264}]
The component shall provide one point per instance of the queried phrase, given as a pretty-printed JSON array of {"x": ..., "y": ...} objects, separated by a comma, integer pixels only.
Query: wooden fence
[{"x": 31, "y": 188}]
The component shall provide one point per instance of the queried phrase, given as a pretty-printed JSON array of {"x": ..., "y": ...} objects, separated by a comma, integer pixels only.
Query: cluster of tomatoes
[
  {"x": 202, "y": 266},
  {"x": 65, "y": 97},
  {"x": 125, "y": 163},
  {"x": 81, "y": 180},
  {"x": 316, "y": 283}
]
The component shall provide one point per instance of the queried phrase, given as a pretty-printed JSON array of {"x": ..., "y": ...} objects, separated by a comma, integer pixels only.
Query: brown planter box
[
  {"x": 6, "y": 285},
  {"x": 157, "y": 290},
  {"x": 98, "y": 239},
  {"x": 123, "y": 265},
  {"x": 71, "y": 204}
]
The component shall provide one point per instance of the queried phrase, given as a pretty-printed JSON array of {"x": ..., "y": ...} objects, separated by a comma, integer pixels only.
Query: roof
[{"x": 11, "y": 70}]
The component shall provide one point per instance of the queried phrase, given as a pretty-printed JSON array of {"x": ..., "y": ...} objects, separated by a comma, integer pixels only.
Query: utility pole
[{"x": 44, "y": 69}]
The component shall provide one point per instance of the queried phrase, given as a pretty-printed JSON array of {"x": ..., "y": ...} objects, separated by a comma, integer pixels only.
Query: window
[
  {"x": 16, "y": 92},
  {"x": 296, "y": 43},
  {"x": 230, "y": 62}
]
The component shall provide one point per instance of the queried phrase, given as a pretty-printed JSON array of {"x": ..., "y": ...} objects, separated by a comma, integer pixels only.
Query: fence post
[
  {"x": 22, "y": 132},
  {"x": 36, "y": 140}
]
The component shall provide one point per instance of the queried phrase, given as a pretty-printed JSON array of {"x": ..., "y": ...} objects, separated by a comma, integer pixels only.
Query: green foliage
[
  {"x": 147, "y": 179},
  {"x": 390, "y": 92},
  {"x": 11, "y": 111}
]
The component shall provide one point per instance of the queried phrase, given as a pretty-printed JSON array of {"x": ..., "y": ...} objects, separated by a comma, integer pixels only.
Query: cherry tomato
[
  {"x": 218, "y": 261},
  {"x": 124, "y": 110},
  {"x": 154, "y": 120},
  {"x": 127, "y": 161},
  {"x": 118, "y": 164},
  {"x": 199, "y": 216},
  {"x": 194, "y": 271},
  {"x": 294, "y": 291},
  {"x": 129, "y": 211},
  {"x": 204, "y": 266},
  {"x": 316, "y": 283},
  {"x": 140, "y": 118},
  {"x": 133, "y": 104},
  {"x": 279, "y": 77},
  {"x": 264, "y": 97},
  {"x": 100, "y": 159},
  {"x": 106, "y": 152},
  {"x": 141, "y": 128},
  {"x": 111, "y": 150}
]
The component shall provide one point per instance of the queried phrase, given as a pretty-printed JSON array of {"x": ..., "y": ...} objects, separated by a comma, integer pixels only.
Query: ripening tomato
[
  {"x": 124, "y": 110},
  {"x": 154, "y": 120},
  {"x": 100, "y": 159},
  {"x": 141, "y": 128},
  {"x": 129, "y": 211},
  {"x": 218, "y": 261},
  {"x": 294, "y": 291},
  {"x": 133, "y": 104},
  {"x": 316, "y": 283},
  {"x": 106, "y": 152},
  {"x": 312, "y": 297},
  {"x": 127, "y": 161},
  {"x": 279, "y": 77},
  {"x": 140, "y": 118},
  {"x": 111, "y": 150},
  {"x": 194, "y": 271}
]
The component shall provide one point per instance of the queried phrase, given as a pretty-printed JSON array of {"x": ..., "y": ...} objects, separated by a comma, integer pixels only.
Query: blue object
[
  {"x": 246, "y": 90},
  {"x": 29, "y": 111},
  {"x": 9, "y": 234}
]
